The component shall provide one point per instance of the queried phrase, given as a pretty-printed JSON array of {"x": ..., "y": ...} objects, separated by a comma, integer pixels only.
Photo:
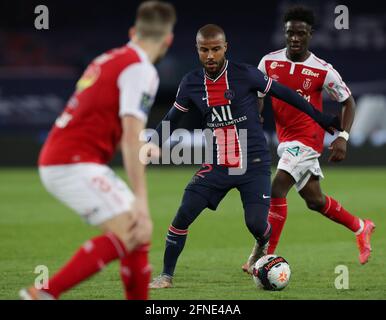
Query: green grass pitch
[{"x": 35, "y": 230}]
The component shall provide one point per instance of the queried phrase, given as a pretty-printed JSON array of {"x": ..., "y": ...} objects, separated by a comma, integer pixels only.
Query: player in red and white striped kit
[
  {"x": 300, "y": 138},
  {"x": 108, "y": 109}
]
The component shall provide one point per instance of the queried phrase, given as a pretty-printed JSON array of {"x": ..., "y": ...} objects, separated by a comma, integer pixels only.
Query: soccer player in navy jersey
[
  {"x": 225, "y": 93},
  {"x": 300, "y": 138}
]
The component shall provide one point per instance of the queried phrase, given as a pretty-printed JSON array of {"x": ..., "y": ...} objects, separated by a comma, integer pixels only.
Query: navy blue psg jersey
[{"x": 229, "y": 108}]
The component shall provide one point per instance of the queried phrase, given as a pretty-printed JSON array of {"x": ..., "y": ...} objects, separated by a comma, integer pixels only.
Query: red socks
[
  {"x": 94, "y": 255},
  {"x": 334, "y": 211},
  {"x": 277, "y": 217},
  {"x": 136, "y": 273},
  {"x": 88, "y": 260}
]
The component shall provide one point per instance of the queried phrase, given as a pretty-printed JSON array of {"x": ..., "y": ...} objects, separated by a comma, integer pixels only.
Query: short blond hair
[{"x": 155, "y": 19}]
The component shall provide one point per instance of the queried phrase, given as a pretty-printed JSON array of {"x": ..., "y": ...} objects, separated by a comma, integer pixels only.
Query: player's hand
[
  {"x": 338, "y": 150},
  {"x": 144, "y": 230},
  {"x": 144, "y": 227},
  {"x": 153, "y": 150},
  {"x": 129, "y": 237},
  {"x": 150, "y": 152}
]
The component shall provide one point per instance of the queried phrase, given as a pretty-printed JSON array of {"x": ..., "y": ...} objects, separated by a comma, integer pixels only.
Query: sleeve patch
[{"x": 146, "y": 103}]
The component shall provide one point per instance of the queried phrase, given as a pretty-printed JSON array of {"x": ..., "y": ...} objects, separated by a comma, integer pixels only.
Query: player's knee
[
  {"x": 120, "y": 226},
  {"x": 278, "y": 191},
  {"x": 183, "y": 219},
  {"x": 190, "y": 208},
  {"x": 316, "y": 203},
  {"x": 256, "y": 224},
  {"x": 125, "y": 238}
]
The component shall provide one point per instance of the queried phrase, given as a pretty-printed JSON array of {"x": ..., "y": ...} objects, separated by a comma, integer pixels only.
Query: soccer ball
[{"x": 271, "y": 272}]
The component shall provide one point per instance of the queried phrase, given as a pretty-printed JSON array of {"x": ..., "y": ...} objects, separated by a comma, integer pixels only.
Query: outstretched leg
[
  {"x": 334, "y": 211},
  {"x": 90, "y": 258},
  {"x": 191, "y": 206}
]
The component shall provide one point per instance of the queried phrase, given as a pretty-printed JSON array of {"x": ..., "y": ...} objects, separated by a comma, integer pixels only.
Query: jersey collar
[
  {"x": 298, "y": 62},
  {"x": 221, "y": 73}
]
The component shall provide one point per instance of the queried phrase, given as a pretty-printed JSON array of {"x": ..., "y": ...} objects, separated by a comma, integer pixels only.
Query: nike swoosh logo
[
  {"x": 266, "y": 197},
  {"x": 204, "y": 98}
]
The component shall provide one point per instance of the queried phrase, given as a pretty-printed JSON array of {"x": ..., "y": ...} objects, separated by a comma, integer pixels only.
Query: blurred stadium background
[{"x": 39, "y": 68}]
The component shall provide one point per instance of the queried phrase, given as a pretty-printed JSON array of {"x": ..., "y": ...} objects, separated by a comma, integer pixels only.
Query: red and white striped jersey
[
  {"x": 120, "y": 82},
  {"x": 309, "y": 79}
]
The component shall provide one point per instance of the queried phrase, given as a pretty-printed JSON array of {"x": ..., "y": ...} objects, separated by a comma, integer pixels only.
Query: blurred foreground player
[
  {"x": 300, "y": 137},
  {"x": 225, "y": 95},
  {"x": 109, "y": 108}
]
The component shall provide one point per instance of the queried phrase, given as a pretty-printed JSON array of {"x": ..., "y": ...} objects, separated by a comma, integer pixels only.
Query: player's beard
[{"x": 215, "y": 73}]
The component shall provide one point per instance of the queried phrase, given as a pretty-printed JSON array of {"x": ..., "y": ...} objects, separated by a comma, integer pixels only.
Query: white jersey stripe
[
  {"x": 227, "y": 83},
  {"x": 181, "y": 108},
  {"x": 206, "y": 92},
  {"x": 268, "y": 86}
]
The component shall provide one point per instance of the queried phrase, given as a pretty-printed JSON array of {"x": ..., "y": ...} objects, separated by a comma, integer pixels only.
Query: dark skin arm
[{"x": 339, "y": 146}]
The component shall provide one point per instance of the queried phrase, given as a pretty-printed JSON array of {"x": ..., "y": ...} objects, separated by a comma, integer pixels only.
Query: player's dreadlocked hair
[{"x": 300, "y": 13}]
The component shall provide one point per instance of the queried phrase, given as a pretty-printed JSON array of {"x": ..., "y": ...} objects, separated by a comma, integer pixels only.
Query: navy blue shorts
[{"x": 213, "y": 182}]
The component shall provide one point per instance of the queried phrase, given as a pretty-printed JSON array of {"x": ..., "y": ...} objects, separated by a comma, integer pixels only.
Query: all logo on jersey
[
  {"x": 222, "y": 113},
  {"x": 229, "y": 94},
  {"x": 307, "y": 84}
]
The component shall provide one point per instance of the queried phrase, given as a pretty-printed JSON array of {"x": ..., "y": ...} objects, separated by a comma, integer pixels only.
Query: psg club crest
[
  {"x": 307, "y": 84},
  {"x": 229, "y": 94}
]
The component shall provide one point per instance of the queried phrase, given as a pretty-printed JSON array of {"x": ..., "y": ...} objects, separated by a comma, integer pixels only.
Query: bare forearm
[
  {"x": 135, "y": 170},
  {"x": 348, "y": 113},
  {"x": 130, "y": 147}
]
